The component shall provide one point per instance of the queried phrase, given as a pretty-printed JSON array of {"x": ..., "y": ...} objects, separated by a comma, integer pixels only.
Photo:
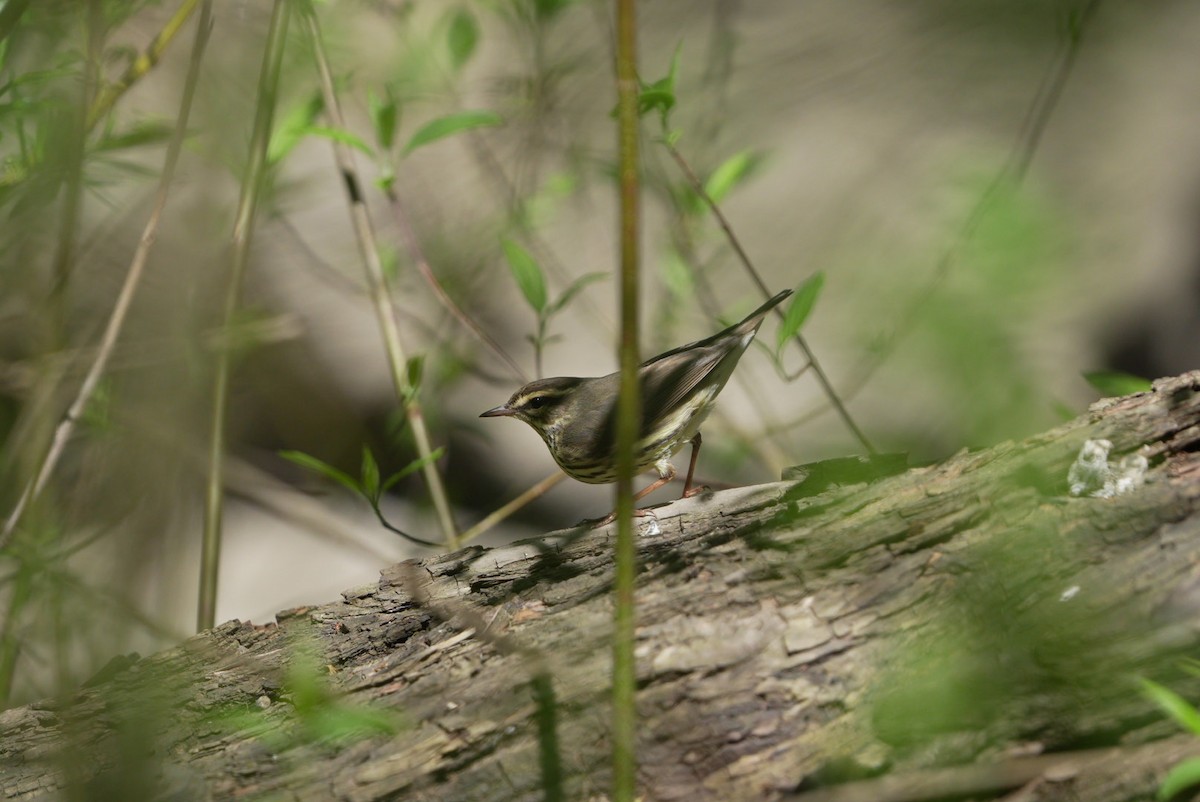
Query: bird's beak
[{"x": 501, "y": 411}]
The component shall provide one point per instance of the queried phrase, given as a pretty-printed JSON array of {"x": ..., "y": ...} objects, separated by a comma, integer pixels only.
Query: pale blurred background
[{"x": 876, "y": 128}]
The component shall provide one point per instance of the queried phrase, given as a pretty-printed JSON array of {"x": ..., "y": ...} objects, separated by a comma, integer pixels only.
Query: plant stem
[
  {"x": 377, "y": 280},
  {"x": 495, "y": 517},
  {"x": 629, "y": 412},
  {"x": 268, "y": 87},
  {"x": 111, "y": 93}
]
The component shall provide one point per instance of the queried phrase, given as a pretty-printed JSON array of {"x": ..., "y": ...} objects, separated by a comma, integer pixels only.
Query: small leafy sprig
[
  {"x": 369, "y": 484},
  {"x": 532, "y": 283}
]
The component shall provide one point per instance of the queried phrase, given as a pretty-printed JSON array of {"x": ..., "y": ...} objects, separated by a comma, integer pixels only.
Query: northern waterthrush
[{"x": 577, "y": 416}]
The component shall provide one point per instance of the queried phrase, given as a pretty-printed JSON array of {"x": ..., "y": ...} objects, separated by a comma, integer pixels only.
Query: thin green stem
[
  {"x": 377, "y": 280},
  {"x": 629, "y": 412},
  {"x": 243, "y": 227}
]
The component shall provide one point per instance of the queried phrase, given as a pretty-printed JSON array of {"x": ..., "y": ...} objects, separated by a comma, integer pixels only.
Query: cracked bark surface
[{"x": 963, "y": 629}]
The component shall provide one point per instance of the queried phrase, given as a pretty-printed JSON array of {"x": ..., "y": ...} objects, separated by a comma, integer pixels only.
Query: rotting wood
[{"x": 949, "y": 621}]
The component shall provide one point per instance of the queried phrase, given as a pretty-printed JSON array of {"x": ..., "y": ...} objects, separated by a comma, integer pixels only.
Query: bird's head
[{"x": 544, "y": 404}]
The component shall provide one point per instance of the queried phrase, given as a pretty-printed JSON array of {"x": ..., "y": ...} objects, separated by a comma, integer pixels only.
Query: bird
[{"x": 576, "y": 417}]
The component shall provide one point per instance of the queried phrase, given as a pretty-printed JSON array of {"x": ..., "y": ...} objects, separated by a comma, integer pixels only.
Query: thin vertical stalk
[
  {"x": 377, "y": 280},
  {"x": 629, "y": 412},
  {"x": 116, "y": 320},
  {"x": 268, "y": 87}
]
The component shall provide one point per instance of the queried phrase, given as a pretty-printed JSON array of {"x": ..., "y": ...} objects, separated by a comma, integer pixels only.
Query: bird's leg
[
  {"x": 666, "y": 472},
  {"x": 688, "y": 490}
]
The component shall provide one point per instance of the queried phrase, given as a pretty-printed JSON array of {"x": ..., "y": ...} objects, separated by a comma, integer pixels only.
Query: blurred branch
[
  {"x": 822, "y": 378},
  {"x": 116, "y": 320},
  {"x": 110, "y": 93},
  {"x": 252, "y": 182},
  {"x": 406, "y": 395}
]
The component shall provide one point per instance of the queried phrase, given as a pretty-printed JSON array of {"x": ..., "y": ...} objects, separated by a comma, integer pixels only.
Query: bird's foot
[{"x": 596, "y": 523}]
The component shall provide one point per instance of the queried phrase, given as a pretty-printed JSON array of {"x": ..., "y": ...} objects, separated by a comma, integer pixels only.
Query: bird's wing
[{"x": 669, "y": 380}]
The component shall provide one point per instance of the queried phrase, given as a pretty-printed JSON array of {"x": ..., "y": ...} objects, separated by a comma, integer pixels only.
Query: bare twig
[
  {"x": 384, "y": 310},
  {"x": 495, "y": 517}
]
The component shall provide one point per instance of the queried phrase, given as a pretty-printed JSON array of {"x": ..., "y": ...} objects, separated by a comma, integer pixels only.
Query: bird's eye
[{"x": 537, "y": 402}]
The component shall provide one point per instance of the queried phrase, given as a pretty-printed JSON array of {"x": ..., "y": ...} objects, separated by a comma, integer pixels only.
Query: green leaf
[
  {"x": 414, "y": 370},
  {"x": 144, "y": 133},
  {"x": 653, "y": 97},
  {"x": 345, "y": 137},
  {"x": 660, "y": 95},
  {"x": 1183, "y": 775},
  {"x": 451, "y": 124},
  {"x": 730, "y": 173},
  {"x": 527, "y": 273},
  {"x": 413, "y": 467},
  {"x": 573, "y": 289},
  {"x": 384, "y": 112},
  {"x": 1114, "y": 382},
  {"x": 801, "y": 307},
  {"x": 538, "y": 208},
  {"x": 293, "y": 127},
  {"x": 462, "y": 36},
  {"x": 323, "y": 468},
  {"x": 1173, "y": 705},
  {"x": 370, "y": 475},
  {"x": 548, "y": 8}
]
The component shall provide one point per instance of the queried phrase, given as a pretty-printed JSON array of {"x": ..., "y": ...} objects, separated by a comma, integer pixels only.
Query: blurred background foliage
[{"x": 961, "y": 301}]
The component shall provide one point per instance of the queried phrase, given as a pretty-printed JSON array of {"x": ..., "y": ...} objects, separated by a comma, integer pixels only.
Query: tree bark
[{"x": 965, "y": 630}]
